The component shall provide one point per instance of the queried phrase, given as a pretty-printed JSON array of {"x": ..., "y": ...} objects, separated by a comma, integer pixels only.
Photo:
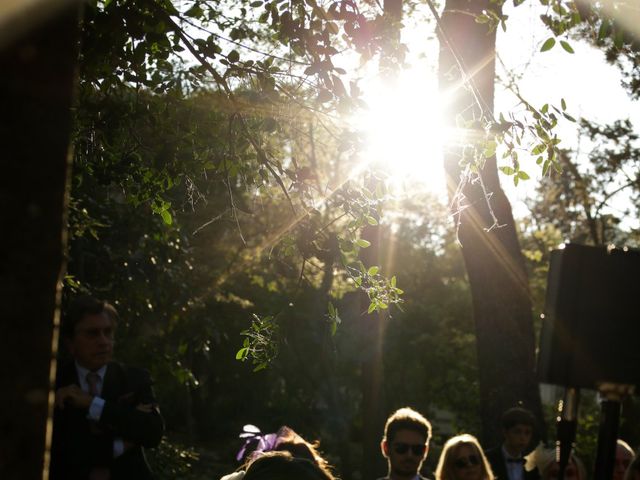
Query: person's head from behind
[
  {"x": 633, "y": 472},
  {"x": 88, "y": 331},
  {"x": 406, "y": 442},
  {"x": 573, "y": 471},
  {"x": 281, "y": 465},
  {"x": 462, "y": 458},
  {"x": 518, "y": 425},
  {"x": 624, "y": 456},
  {"x": 290, "y": 441}
]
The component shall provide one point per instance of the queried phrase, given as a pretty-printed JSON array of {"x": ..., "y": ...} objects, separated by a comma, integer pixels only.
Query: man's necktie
[{"x": 93, "y": 380}]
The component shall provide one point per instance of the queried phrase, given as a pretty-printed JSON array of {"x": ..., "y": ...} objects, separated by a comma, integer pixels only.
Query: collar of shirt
[
  {"x": 515, "y": 470},
  {"x": 507, "y": 456},
  {"x": 82, "y": 377}
]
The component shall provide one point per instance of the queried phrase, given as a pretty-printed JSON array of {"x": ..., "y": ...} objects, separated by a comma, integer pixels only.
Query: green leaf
[
  {"x": 567, "y": 46},
  {"x": 373, "y": 270},
  {"x": 563, "y": 104},
  {"x": 538, "y": 149},
  {"x": 393, "y": 281},
  {"x": 569, "y": 117},
  {"x": 361, "y": 242},
  {"x": 372, "y": 307},
  {"x": 194, "y": 12},
  {"x": 332, "y": 310},
  {"x": 166, "y": 217},
  {"x": 233, "y": 56},
  {"x": 618, "y": 40},
  {"x": 603, "y": 31},
  {"x": 507, "y": 170},
  {"x": 548, "y": 44},
  {"x": 371, "y": 220},
  {"x": 490, "y": 149},
  {"x": 523, "y": 175},
  {"x": 242, "y": 354}
]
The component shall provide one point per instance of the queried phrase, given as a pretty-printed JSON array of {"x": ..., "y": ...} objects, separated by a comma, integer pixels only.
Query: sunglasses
[
  {"x": 464, "y": 462},
  {"x": 402, "y": 448}
]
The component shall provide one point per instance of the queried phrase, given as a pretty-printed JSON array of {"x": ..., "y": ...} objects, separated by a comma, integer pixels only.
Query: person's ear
[{"x": 384, "y": 448}]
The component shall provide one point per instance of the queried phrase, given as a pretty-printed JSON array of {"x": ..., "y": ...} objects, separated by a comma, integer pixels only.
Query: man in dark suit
[
  {"x": 507, "y": 461},
  {"x": 405, "y": 444},
  {"x": 105, "y": 413}
]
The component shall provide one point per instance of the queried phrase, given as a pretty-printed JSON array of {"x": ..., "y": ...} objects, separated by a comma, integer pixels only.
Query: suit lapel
[{"x": 113, "y": 383}]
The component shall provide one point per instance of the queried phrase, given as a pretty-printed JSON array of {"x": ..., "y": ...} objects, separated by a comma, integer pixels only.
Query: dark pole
[
  {"x": 607, "y": 436},
  {"x": 38, "y": 58}
]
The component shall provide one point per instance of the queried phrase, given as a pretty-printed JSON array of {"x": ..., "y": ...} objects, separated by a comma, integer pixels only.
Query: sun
[{"x": 403, "y": 129}]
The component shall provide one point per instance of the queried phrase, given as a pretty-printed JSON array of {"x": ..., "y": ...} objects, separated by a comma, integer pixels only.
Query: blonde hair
[
  {"x": 544, "y": 458},
  {"x": 445, "y": 468}
]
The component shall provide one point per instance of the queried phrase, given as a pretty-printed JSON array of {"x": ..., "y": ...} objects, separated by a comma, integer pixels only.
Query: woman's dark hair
[{"x": 281, "y": 465}]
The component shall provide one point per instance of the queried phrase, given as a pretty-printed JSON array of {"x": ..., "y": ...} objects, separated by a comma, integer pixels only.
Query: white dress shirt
[{"x": 97, "y": 404}]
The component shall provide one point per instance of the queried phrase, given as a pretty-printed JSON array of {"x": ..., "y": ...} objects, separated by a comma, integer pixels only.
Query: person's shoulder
[
  {"x": 133, "y": 375},
  {"x": 494, "y": 451},
  {"x": 494, "y": 455}
]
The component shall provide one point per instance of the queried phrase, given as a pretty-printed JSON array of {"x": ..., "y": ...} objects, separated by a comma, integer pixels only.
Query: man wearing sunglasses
[
  {"x": 405, "y": 444},
  {"x": 507, "y": 461}
]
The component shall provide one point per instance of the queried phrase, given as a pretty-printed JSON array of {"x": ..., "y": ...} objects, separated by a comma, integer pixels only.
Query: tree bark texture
[
  {"x": 38, "y": 71},
  {"x": 495, "y": 266}
]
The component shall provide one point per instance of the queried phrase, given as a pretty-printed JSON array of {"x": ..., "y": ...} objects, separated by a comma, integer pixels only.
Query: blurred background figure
[
  {"x": 624, "y": 456},
  {"x": 633, "y": 472},
  {"x": 462, "y": 458},
  {"x": 545, "y": 461}
]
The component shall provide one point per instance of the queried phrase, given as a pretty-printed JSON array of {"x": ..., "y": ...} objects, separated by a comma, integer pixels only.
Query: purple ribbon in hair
[{"x": 256, "y": 441}]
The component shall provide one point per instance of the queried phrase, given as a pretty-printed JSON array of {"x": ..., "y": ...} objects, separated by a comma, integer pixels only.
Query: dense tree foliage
[{"x": 214, "y": 200}]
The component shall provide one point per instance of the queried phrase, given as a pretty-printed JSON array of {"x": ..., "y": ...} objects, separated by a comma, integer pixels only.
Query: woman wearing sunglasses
[{"x": 462, "y": 458}]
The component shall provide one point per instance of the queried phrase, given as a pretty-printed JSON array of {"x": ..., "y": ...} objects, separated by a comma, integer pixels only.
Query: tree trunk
[
  {"x": 373, "y": 328},
  {"x": 38, "y": 71},
  {"x": 493, "y": 259},
  {"x": 375, "y": 324}
]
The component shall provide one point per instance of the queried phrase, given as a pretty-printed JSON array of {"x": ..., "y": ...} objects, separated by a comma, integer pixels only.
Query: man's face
[
  {"x": 622, "y": 461},
  {"x": 405, "y": 453},
  {"x": 517, "y": 438},
  {"x": 92, "y": 341}
]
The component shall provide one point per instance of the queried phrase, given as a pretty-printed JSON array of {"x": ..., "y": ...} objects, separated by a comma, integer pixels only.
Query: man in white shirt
[{"x": 105, "y": 412}]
